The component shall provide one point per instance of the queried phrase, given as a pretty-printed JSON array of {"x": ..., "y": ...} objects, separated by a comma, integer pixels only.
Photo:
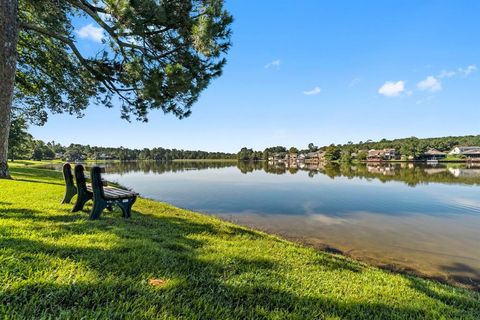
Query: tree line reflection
[{"x": 409, "y": 173}]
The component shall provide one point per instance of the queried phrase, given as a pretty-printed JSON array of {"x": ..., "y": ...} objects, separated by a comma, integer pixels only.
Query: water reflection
[{"x": 409, "y": 173}]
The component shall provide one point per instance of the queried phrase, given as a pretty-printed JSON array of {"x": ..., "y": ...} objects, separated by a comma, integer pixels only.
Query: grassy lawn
[{"x": 170, "y": 263}]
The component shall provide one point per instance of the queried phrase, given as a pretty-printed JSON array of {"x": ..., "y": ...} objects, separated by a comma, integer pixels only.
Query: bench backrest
[
  {"x": 97, "y": 183},
  {"x": 67, "y": 175},
  {"x": 80, "y": 178}
]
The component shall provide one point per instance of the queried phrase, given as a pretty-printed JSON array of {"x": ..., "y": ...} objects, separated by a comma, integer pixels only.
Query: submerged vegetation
[{"x": 172, "y": 263}]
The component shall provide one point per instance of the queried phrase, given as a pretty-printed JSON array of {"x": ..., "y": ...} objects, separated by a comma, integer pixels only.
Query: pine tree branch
[
  {"x": 83, "y": 61},
  {"x": 80, "y": 4},
  {"x": 93, "y": 7}
]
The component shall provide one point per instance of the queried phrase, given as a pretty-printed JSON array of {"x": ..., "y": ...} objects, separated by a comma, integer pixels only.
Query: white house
[
  {"x": 461, "y": 150},
  {"x": 469, "y": 152}
]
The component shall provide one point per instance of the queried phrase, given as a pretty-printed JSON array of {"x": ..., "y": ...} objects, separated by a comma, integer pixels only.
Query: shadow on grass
[
  {"x": 199, "y": 285},
  {"x": 39, "y": 181},
  {"x": 20, "y": 213},
  {"x": 188, "y": 301},
  {"x": 200, "y": 293}
]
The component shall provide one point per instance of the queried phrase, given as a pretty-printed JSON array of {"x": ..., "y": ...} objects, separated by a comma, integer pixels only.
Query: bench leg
[
  {"x": 127, "y": 206},
  {"x": 97, "y": 209},
  {"x": 80, "y": 203},
  {"x": 69, "y": 193}
]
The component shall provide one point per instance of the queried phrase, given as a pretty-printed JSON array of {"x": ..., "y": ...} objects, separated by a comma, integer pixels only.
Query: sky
[{"x": 314, "y": 71}]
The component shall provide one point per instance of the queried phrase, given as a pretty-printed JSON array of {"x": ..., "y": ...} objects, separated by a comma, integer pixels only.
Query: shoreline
[{"x": 464, "y": 283}]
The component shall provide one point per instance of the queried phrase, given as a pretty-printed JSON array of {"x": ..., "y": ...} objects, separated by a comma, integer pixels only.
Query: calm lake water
[{"x": 418, "y": 218}]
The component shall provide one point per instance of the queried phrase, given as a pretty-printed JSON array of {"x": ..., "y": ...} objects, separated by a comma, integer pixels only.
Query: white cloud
[
  {"x": 460, "y": 71},
  {"x": 274, "y": 63},
  {"x": 91, "y": 32},
  {"x": 468, "y": 70},
  {"x": 430, "y": 83},
  {"x": 392, "y": 89},
  {"x": 446, "y": 74},
  {"x": 314, "y": 91}
]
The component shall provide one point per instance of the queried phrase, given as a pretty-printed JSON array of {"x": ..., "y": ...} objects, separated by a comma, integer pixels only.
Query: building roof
[
  {"x": 314, "y": 154},
  {"x": 434, "y": 152},
  {"x": 373, "y": 152},
  {"x": 467, "y": 149},
  {"x": 472, "y": 152}
]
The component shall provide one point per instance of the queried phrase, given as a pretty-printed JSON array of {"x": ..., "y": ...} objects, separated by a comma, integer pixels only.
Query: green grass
[
  {"x": 20, "y": 163},
  {"x": 57, "y": 264}
]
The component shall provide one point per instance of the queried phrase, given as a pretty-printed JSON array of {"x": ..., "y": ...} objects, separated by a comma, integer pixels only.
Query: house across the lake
[
  {"x": 379, "y": 155},
  {"x": 277, "y": 157},
  {"x": 468, "y": 152},
  {"x": 434, "y": 154},
  {"x": 291, "y": 158},
  {"x": 314, "y": 157}
]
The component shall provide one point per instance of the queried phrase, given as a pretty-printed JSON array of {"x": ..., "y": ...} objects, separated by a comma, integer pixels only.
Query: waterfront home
[
  {"x": 291, "y": 158},
  {"x": 315, "y": 157},
  {"x": 433, "y": 154},
  {"x": 379, "y": 155},
  {"x": 279, "y": 157},
  {"x": 374, "y": 155},
  {"x": 468, "y": 152}
]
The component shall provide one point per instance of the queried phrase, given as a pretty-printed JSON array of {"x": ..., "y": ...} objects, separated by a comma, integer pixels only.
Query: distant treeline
[
  {"x": 23, "y": 146},
  {"x": 407, "y": 147},
  {"x": 39, "y": 150}
]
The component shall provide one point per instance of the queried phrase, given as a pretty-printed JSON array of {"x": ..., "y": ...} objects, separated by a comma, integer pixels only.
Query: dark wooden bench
[
  {"x": 104, "y": 197},
  {"x": 84, "y": 190},
  {"x": 70, "y": 190}
]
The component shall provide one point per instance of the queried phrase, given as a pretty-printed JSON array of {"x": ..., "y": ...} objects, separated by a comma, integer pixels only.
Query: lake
[{"x": 414, "y": 218}]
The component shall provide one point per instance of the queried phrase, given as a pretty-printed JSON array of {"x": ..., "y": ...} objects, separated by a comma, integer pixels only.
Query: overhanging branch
[{"x": 106, "y": 82}]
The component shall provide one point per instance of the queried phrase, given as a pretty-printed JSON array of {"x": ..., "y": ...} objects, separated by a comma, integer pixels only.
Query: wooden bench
[
  {"x": 104, "y": 197},
  {"x": 84, "y": 190},
  {"x": 70, "y": 190}
]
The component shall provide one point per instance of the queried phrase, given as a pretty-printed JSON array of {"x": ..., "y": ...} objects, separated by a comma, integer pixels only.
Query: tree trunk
[{"x": 8, "y": 62}]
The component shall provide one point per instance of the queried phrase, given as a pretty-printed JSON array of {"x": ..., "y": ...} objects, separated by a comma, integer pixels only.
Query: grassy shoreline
[{"x": 170, "y": 263}]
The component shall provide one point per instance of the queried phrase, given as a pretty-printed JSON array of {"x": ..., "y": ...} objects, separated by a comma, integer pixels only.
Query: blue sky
[{"x": 316, "y": 71}]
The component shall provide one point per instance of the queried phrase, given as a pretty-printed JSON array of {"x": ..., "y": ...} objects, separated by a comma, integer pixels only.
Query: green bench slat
[{"x": 111, "y": 192}]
